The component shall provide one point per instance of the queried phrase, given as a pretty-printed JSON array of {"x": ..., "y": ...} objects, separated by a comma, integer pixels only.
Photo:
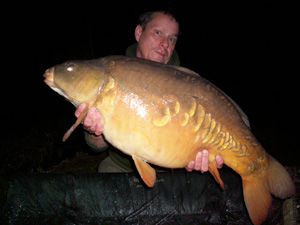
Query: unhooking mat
[{"x": 178, "y": 197}]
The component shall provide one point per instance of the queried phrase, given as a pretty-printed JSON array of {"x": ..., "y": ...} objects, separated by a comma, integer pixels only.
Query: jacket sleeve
[{"x": 92, "y": 146}]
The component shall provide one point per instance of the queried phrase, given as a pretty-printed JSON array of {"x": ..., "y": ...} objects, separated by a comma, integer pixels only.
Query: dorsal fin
[{"x": 146, "y": 172}]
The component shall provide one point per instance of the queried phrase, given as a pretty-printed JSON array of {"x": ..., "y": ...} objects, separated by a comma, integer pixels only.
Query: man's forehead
[{"x": 164, "y": 22}]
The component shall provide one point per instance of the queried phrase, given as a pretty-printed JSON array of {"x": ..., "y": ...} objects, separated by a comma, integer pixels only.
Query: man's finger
[
  {"x": 98, "y": 124},
  {"x": 80, "y": 109},
  {"x": 204, "y": 165},
  {"x": 219, "y": 161},
  {"x": 88, "y": 121},
  {"x": 190, "y": 166},
  {"x": 198, "y": 162}
]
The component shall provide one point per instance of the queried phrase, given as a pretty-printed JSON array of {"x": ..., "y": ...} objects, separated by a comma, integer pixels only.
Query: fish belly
[{"x": 165, "y": 146}]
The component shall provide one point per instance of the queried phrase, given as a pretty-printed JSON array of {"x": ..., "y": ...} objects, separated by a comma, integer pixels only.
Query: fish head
[{"x": 77, "y": 81}]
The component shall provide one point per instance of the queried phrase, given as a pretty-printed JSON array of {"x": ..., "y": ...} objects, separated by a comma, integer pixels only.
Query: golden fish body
[{"x": 164, "y": 115}]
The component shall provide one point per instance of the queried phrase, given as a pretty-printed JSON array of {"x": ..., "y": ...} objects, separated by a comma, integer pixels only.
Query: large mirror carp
[{"x": 164, "y": 115}]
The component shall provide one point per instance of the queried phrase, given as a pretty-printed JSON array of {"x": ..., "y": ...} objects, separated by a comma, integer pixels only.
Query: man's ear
[{"x": 138, "y": 31}]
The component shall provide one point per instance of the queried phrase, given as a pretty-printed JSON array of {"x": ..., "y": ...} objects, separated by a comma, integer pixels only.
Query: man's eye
[
  {"x": 172, "y": 39},
  {"x": 157, "y": 32}
]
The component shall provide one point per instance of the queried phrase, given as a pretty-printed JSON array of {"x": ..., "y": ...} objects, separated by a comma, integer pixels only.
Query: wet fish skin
[{"x": 164, "y": 115}]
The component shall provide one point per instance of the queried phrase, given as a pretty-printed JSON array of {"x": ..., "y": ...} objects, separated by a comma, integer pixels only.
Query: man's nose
[{"x": 164, "y": 42}]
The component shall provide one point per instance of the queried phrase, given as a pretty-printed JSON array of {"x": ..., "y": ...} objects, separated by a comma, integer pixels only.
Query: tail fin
[
  {"x": 281, "y": 184},
  {"x": 257, "y": 192}
]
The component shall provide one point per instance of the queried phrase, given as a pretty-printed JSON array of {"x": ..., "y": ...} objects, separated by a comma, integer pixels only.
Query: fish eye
[{"x": 70, "y": 67}]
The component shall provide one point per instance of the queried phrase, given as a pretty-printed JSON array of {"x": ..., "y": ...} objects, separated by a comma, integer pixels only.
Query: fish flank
[
  {"x": 193, "y": 108},
  {"x": 164, "y": 119},
  {"x": 205, "y": 126},
  {"x": 216, "y": 133},
  {"x": 186, "y": 119},
  {"x": 210, "y": 132},
  {"x": 220, "y": 143},
  {"x": 200, "y": 117},
  {"x": 176, "y": 108},
  {"x": 110, "y": 84}
]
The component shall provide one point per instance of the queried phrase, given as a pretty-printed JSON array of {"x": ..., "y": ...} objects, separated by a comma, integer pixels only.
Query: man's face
[{"x": 158, "y": 40}]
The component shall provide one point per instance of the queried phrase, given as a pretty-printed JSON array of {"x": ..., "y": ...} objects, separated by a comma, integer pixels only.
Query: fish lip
[{"x": 49, "y": 77}]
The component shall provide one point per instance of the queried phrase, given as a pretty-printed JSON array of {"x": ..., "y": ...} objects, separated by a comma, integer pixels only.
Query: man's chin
[{"x": 159, "y": 59}]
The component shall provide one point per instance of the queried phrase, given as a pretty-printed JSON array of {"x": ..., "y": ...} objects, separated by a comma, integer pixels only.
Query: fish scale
[{"x": 164, "y": 115}]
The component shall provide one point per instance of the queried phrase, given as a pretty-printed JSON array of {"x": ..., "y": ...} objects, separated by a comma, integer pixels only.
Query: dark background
[{"x": 246, "y": 50}]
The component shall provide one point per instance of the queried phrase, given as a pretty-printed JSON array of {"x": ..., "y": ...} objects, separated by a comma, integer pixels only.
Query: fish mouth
[
  {"x": 49, "y": 80},
  {"x": 49, "y": 77}
]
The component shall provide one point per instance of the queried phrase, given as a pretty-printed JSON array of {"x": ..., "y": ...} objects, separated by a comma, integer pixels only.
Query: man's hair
[{"x": 146, "y": 17}]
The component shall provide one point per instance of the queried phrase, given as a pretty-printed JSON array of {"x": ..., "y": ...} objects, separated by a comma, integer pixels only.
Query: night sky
[{"x": 244, "y": 50}]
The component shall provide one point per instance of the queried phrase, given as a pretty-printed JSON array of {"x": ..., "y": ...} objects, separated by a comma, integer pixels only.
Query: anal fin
[
  {"x": 212, "y": 167},
  {"x": 146, "y": 172},
  {"x": 257, "y": 198}
]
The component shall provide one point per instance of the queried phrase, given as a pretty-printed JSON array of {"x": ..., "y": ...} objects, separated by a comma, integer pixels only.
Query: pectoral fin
[
  {"x": 146, "y": 172},
  {"x": 212, "y": 167},
  {"x": 78, "y": 121}
]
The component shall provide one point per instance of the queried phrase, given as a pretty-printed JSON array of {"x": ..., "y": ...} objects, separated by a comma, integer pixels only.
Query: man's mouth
[{"x": 162, "y": 54}]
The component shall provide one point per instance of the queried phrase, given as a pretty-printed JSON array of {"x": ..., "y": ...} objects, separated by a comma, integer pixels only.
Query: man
[{"x": 156, "y": 36}]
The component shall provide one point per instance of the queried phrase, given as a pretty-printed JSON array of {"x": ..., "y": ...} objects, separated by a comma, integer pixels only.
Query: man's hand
[
  {"x": 201, "y": 162},
  {"x": 93, "y": 125},
  {"x": 92, "y": 122}
]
